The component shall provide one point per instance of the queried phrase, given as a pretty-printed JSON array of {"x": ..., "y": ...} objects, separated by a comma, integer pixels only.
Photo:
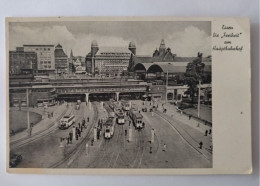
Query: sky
[{"x": 185, "y": 38}]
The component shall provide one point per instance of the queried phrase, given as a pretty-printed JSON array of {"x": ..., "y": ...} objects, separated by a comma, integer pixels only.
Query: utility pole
[
  {"x": 166, "y": 87},
  {"x": 199, "y": 100},
  {"x": 28, "y": 116}
]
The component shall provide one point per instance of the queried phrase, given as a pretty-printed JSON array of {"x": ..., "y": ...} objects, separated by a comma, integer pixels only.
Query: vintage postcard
[{"x": 128, "y": 95}]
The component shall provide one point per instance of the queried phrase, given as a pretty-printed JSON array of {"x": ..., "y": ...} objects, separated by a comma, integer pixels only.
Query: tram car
[
  {"x": 66, "y": 122},
  {"x": 137, "y": 118},
  {"x": 120, "y": 117},
  {"x": 109, "y": 128},
  {"x": 126, "y": 105}
]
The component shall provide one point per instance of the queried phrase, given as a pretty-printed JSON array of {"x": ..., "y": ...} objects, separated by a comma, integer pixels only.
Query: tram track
[
  {"x": 178, "y": 129},
  {"x": 75, "y": 152},
  {"x": 52, "y": 127}
]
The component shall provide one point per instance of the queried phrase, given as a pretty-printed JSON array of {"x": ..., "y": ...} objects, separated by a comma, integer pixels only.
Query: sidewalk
[{"x": 44, "y": 124}]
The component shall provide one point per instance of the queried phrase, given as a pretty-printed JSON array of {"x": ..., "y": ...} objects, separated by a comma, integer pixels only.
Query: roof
[
  {"x": 40, "y": 45},
  {"x": 104, "y": 50},
  {"x": 159, "y": 59},
  {"x": 172, "y": 67},
  {"x": 59, "y": 53},
  {"x": 143, "y": 59}
]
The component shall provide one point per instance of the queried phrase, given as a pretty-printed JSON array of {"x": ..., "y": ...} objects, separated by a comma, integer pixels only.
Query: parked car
[
  {"x": 15, "y": 159},
  {"x": 144, "y": 109},
  {"x": 185, "y": 106}
]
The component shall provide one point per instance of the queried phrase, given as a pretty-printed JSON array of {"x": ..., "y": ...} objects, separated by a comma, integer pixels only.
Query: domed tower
[
  {"x": 94, "y": 48},
  {"x": 162, "y": 47},
  {"x": 132, "y": 47}
]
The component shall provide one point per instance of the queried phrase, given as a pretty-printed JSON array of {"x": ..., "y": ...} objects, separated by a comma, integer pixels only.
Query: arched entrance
[
  {"x": 140, "y": 71},
  {"x": 155, "y": 72}
]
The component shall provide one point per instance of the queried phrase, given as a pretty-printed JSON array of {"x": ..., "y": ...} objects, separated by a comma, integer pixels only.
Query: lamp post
[
  {"x": 166, "y": 86},
  {"x": 199, "y": 99}
]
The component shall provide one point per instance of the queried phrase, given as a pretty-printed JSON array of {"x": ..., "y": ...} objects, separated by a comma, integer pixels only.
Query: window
[
  {"x": 36, "y": 48},
  {"x": 49, "y": 66},
  {"x": 49, "y": 62},
  {"x": 41, "y": 62},
  {"x": 49, "y": 49},
  {"x": 45, "y": 62},
  {"x": 44, "y": 49}
]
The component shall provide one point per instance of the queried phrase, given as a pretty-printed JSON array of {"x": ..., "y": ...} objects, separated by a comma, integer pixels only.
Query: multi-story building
[
  {"x": 21, "y": 62},
  {"x": 108, "y": 61},
  {"x": 61, "y": 61},
  {"x": 45, "y": 57}
]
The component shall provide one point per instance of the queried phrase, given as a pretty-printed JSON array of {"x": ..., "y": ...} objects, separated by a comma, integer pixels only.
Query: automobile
[
  {"x": 144, "y": 109},
  {"x": 185, "y": 106},
  {"x": 15, "y": 159}
]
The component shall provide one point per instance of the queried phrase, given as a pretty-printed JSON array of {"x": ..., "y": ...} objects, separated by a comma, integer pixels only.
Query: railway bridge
[{"x": 49, "y": 93}]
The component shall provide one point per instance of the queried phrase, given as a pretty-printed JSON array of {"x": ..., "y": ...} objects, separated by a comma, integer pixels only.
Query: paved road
[
  {"x": 119, "y": 153},
  {"x": 44, "y": 152}
]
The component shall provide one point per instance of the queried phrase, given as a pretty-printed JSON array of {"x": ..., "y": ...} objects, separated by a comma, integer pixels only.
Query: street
[{"x": 175, "y": 143}]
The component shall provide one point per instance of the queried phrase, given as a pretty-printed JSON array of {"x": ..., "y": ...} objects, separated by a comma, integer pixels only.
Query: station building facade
[{"x": 109, "y": 61}]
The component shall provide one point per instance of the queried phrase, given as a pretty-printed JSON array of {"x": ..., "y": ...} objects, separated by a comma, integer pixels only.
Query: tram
[
  {"x": 109, "y": 128},
  {"x": 137, "y": 118},
  {"x": 66, "y": 122},
  {"x": 126, "y": 105},
  {"x": 120, "y": 117}
]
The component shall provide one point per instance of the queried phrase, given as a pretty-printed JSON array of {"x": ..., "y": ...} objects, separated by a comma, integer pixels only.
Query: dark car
[
  {"x": 15, "y": 159},
  {"x": 185, "y": 106},
  {"x": 144, "y": 109}
]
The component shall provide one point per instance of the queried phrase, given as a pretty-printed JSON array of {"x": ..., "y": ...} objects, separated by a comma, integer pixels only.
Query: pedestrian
[
  {"x": 81, "y": 128},
  {"x": 79, "y": 125},
  {"x": 150, "y": 149},
  {"x": 206, "y": 132},
  {"x": 79, "y": 133},
  {"x": 164, "y": 147},
  {"x": 70, "y": 134},
  {"x": 201, "y": 144},
  {"x": 125, "y": 132},
  {"x": 129, "y": 123},
  {"x": 88, "y": 119},
  {"x": 210, "y": 131},
  {"x": 98, "y": 134},
  {"x": 198, "y": 125},
  {"x": 189, "y": 117},
  {"x": 77, "y": 136},
  {"x": 143, "y": 124},
  {"x": 61, "y": 139}
]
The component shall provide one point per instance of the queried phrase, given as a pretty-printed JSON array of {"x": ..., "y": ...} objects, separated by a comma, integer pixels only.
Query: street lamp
[{"x": 199, "y": 99}]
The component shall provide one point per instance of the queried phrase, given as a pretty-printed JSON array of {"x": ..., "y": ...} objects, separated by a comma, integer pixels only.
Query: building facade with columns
[{"x": 109, "y": 61}]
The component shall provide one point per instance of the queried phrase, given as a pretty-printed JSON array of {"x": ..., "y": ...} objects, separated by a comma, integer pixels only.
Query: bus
[{"x": 66, "y": 122}]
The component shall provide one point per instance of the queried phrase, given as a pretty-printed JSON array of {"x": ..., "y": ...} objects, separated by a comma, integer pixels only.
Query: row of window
[
  {"x": 45, "y": 62},
  {"x": 43, "y": 49}
]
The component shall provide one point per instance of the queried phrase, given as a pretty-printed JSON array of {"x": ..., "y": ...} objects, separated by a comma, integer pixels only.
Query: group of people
[{"x": 78, "y": 131}]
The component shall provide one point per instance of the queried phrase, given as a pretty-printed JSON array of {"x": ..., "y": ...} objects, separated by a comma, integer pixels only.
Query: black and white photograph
[{"x": 110, "y": 94}]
